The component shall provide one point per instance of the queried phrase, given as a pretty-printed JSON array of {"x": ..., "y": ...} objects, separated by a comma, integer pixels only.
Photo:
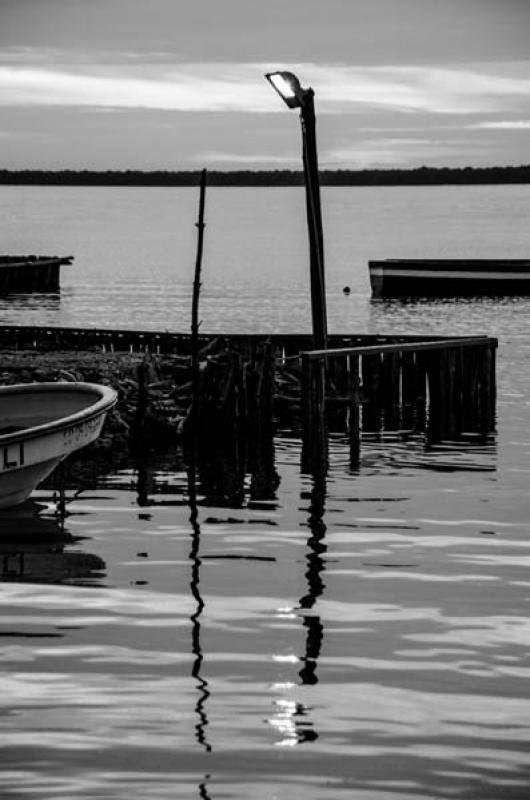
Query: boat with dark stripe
[{"x": 395, "y": 277}]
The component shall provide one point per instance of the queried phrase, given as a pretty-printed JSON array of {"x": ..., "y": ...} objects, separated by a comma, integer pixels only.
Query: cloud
[
  {"x": 379, "y": 152},
  {"x": 241, "y": 88},
  {"x": 238, "y": 158},
  {"x": 179, "y": 90},
  {"x": 505, "y": 125},
  {"x": 396, "y": 151},
  {"x": 429, "y": 89}
]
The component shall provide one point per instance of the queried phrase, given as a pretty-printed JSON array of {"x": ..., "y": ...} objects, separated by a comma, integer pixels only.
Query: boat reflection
[
  {"x": 34, "y": 303},
  {"x": 34, "y": 549},
  {"x": 292, "y": 719}
]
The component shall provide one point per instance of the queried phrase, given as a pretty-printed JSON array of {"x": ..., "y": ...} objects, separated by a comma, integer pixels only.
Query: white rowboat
[{"x": 42, "y": 423}]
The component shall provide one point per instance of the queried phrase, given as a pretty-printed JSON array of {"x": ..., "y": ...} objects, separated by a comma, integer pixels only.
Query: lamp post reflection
[
  {"x": 292, "y": 723},
  {"x": 315, "y": 567},
  {"x": 291, "y": 718}
]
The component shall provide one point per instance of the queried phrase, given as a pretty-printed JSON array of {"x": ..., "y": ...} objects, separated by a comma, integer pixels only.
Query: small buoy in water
[{"x": 346, "y": 290}]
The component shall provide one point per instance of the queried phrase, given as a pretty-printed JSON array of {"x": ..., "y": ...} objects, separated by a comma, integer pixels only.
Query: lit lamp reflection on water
[
  {"x": 291, "y": 719},
  {"x": 291, "y": 724}
]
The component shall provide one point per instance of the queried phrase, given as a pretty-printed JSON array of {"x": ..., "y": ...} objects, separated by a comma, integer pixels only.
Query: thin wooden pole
[
  {"x": 196, "y": 290},
  {"x": 194, "y": 343}
]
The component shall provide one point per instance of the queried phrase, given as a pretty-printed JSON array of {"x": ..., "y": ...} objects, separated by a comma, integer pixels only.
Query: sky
[{"x": 179, "y": 84}]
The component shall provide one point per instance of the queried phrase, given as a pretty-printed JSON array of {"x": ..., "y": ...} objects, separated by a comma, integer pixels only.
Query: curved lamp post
[{"x": 288, "y": 87}]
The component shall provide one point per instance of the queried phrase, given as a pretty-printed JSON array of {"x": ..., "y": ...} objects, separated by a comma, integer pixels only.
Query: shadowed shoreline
[{"x": 420, "y": 176}]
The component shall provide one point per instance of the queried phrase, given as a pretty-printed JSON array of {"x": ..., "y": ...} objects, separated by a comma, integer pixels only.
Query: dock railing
[{"x": 445, "y": 388}]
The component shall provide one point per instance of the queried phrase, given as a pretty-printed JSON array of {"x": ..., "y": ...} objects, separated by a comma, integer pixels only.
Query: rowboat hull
[
  {"x": 449, "y": 277},
  {"x": 41, "y": 424}
]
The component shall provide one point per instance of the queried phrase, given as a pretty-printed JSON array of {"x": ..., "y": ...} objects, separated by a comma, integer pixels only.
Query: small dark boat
[
  {"x": 398, "y": 277},
  {"x": 23, "y": 274}
]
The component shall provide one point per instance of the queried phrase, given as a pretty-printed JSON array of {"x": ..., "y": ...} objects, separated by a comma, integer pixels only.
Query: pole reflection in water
[
  {"x": 144, "y": 480},
  {"x": 144, "y": 485},
  {"x": 315, "y": 567},
  {"x": 202, "y": 684},
  {"x": 203, "y": 791}
]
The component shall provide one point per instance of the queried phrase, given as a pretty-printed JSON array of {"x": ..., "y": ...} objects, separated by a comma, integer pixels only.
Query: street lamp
[{"x": 288, "y": 87}]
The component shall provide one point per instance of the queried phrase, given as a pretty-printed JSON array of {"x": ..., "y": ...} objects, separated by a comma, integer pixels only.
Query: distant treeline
[{"x": 341, "y": 177}]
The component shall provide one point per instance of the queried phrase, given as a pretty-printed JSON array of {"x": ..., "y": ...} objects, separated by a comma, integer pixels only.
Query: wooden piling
[
  {"x": 337, "y": 391},
  {"x": 493, "y": 380},
  {"x": 259, "y": 387},
  {"x": 354, "y": 415},
  {"x": 142, "y": 400},
  {"x": 220, "y": 427},
  {"x": 487, "y": 390},
  {"x": 408, "y": 391},
  {"x": 437, "y": 389},
  {"x": 450, "y": 378},
  {"x": 371, "y": 392},
  {"x": 314, "y": 438},
  {"x": 390, "y": 391},
  {"x": 471, "y": 391}
]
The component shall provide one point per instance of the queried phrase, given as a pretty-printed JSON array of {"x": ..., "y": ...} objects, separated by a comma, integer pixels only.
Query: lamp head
[{"x": 288, "y": 87}]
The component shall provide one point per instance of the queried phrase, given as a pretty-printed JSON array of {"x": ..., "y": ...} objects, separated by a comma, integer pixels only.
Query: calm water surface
[
  {"x": 134, "y": 249},
  {"x": 362, "y": 634}
]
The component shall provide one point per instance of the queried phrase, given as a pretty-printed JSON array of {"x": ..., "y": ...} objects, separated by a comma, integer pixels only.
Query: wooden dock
[
  {"x": 444, "y": 389},
  {"x": 286, "y": 345},
  {"x": 407, "y": 277},
  {"x": 26, "y": 274},
  {"x": 435, "y": 387},
  {"x": 393, "y": 380}
]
